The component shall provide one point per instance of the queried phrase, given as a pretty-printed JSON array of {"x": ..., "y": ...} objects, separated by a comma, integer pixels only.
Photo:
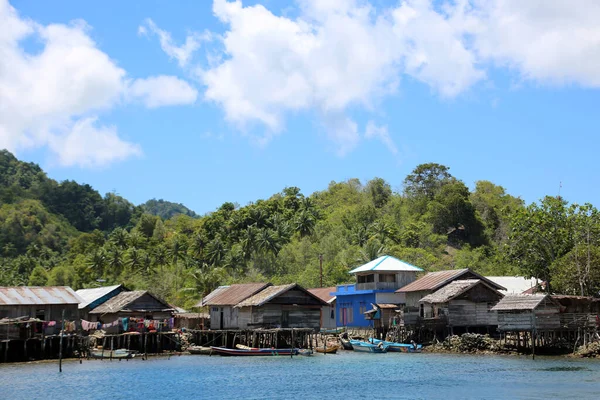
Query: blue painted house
[{"x": 376, "y": 283}]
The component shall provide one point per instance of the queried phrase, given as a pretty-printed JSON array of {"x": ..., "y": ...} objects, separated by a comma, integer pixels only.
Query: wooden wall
[
  {"x": 52, "y": 312},
  {"x": 278, "y": 315},
  {"x": 468, "y": 313}
]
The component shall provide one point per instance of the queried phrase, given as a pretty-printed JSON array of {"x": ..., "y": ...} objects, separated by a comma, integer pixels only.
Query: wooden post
[
  {"x": 292, "y": 352},
  {"x": 60, "y": 344},
  {"x": 533, "y": 334}
]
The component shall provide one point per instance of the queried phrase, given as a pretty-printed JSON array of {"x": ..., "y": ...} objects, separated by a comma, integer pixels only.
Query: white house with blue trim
[{"x": 376, "y": 282}]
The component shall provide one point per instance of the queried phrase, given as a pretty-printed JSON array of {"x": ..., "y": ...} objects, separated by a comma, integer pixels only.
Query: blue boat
[
  {"x": 398, "y": 347},
  {"x": 365, "y": 347}
]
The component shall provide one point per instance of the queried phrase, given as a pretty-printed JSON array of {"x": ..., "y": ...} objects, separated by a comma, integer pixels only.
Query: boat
[
  {"x": 112, "y": 354},
  {"x": 399, "y": 347},
  {"x": 199, "y": 350},
  {"x": 346, "y": 344},
  {"x": 365, "y": 347},
  {"x": 327, "y": 350},
  {"x": 223, "y": 351},
  {"x": 244, "y": 347},
  {"x": 305, "y": 352},
  {"x": 335, "y": 331}
]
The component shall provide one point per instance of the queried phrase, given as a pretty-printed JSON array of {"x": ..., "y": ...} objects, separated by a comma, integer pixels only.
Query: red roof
[
  {"x": 235, "y": 294},
  {"x": 324, "y": 293}
]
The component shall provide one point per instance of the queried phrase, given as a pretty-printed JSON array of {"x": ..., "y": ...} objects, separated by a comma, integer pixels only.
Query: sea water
[{"x": 347, "y": 375}]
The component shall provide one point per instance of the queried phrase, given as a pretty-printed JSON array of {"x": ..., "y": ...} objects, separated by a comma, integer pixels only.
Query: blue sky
[{"x": 301, "y": 93}]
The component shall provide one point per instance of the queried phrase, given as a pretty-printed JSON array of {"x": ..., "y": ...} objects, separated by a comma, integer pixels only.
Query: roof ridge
[{"x": 383, "y": 258}]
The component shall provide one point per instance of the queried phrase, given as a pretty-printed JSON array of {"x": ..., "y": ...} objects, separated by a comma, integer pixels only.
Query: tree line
[{"x": 66, "y": 233}]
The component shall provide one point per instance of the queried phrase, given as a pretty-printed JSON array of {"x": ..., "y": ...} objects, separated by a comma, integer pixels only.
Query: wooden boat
[
  {"x": 199, "y": 350},
  {"x": 335, "y": 331},
  {"x": 399, "y": 347},
  {"x": 112, "y": 354},
  {"x": 365, "y": 347},
  {"x": 244, "y": 347},
  {"x": 328, "y": 350},
  {"x": 305, "y": 352},
  {"x": 223, "y": 351},
  {"x": 346, "y": 344}
]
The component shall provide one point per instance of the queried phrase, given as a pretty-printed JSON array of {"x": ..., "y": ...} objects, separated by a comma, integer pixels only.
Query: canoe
[
  {"x": 399, "y": 347},
  {"x": 328, "y": 350},
  {"x": 223, "y": 351},
  {"x": 244, "y": 347},
  {"x": 346, "y": 344},
  {"x": 199, "y": 350},
  {"x": 368, "y": 347},
  {"x": 112, "y": 354}
]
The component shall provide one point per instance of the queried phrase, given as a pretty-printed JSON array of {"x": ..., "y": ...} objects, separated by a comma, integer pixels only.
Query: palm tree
[
  {"x": 198, "y": 245},
  {"x": 305, "y": 223},
  {"x": 371, "y": 250},
  {"x": 97, "y": 262},
  {"x": 115, "y": 261},
  {"x": 119, "y": 238},
  {"x": 216, "y": 251},
  {"x": 248, "y": 241},
  {"x": 269, "y": 241},
  {"x": 134, "y": 259}
]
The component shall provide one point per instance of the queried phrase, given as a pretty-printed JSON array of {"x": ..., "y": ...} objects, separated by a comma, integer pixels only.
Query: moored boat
[
  {"x": 346, "y": 344},
  {"x": 368, "y": 347},
  {"x": 199, "y": 350},
  {"x": 399, "y": 347},
  {"x": 327, "y": 350},
  {"x": 223, "y": 351},
  {"x": 112, "y": 354}
]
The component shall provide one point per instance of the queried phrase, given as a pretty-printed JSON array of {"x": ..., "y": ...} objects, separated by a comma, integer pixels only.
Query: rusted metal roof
[
  {"x": 124, "y": 299},
  {"x": 387, "y": 306},
  {"x": 209, "y": 296},
  {"x": 520, "y": 302},
  {"x": 271, "y": 292},
  {"x": 33, "y": 295},
  {"x": 435, "y": 280},
  {"x": 192, "y": 315},
  {"x": 232, "y": 295},
  {"x": 324, "y": 293}
]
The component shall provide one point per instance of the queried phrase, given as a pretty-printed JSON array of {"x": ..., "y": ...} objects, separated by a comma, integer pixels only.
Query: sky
[{"x": 203, "y": 102}]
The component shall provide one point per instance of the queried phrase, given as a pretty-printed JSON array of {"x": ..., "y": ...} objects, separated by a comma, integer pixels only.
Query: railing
[{"x": 377, "y": 286}]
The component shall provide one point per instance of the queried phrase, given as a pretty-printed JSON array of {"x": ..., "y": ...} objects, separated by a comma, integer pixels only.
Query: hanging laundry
[{"x": 125, "y": 323}]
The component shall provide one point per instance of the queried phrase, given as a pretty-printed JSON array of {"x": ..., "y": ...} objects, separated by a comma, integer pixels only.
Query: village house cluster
[{"x": 390, "y": 298}]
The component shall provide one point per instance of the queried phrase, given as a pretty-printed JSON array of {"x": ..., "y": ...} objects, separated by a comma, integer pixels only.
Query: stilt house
[
  {"x": 285, "y": 306},
  {"x": 463, "y": 306},
  {"x": 328, "y": 311},
  {"x": 221, "y": 303},
  {"x": 527, "y": 312}
]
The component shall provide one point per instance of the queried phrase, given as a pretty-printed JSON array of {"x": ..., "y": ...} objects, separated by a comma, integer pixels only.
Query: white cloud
[
  {"x": 372, "y": 131},
  {"x": 548, "y": 41},
  {"x": 162, "y": 91},
  {"x": 51, "y": 98},
  {"x": 182, "y": 53},
  {"x": 88, "y": 145},
  {"x": 338, "y": 56}
]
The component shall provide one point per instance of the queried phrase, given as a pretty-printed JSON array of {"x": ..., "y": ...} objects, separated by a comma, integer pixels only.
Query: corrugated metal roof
[
  {"x": 209, "y": 296},
  {"x": 192, "y": 315},
  {"x": 232, "y": 295},
  {"x": 93, "y": 294},
  {"x": 271, "y": 292},
  {"x": 32, "y": 295},
  {"x": 435, "y": 280},
  {"x": 386, "y": 263},
  {"x": 123, "y": 299},
  {"x": 519, "y": 302},
  {"x": 324, "y": 293},
  {"x": 514, "y": 284},
  {"x": 450, "y": 291}
]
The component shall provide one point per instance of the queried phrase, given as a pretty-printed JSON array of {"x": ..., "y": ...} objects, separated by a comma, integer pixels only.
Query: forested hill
[{"x": 65, "y": 233}]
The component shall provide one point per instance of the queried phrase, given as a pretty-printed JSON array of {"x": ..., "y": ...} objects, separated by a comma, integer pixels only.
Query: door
[{"x": 285, "y": 319}]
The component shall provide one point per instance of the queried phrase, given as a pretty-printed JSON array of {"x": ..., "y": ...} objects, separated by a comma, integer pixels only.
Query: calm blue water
[{"x": 347, "y": 375}]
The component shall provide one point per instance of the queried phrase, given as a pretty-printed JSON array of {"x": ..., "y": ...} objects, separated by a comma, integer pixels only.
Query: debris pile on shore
[
  {"x": 592, "y": 350},
  {"x": 468, "y": 343}
]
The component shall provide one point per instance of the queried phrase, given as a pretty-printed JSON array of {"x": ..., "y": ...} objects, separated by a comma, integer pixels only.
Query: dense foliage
[{"x": 65, "y": 233}]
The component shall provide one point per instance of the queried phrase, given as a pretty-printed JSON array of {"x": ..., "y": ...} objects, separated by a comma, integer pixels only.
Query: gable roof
[
  {"x": 386, "y": 263},
  {"x": 515, "y": 302},
  {"x": 124, "y": 299},
  {"x": 453, "y": 290},
  {"x": 435, "y": 280},
  {"x": 91, "y": 295},
  {"x": 324, "y": 293},
  {"x": 232, "y": 295},
  {"x": 209, "y": 296},
  {"x": 271, "y": 292},
  {"x": 37, "y": 295}
]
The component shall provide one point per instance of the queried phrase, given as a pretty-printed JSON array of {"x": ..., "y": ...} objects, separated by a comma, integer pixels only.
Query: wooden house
[
  {"x": 328, "y": 311},
  {"x": 93, "y": 297},
  {"x": 463, "y": 305},
  {"x": 139, "y": 304},
  {"x": 285, "y": 306},
  {"x": 221, "y": 303},
  {"x": 190, "y": 320},
  {"x": 20, "y": 304},
  {"x": 528, "y": 312},
  {"x": 382, "y": 315},
  {"x": 413, "y": 309}
]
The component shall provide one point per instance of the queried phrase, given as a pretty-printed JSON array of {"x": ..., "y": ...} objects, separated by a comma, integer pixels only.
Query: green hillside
[{"x": 66, "y": 233}]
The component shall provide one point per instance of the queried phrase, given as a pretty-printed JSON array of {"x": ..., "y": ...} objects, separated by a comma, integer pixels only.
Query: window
[
  {"x": 350, "y": 317},
  {"x": 388, "y": 278},
  {"x": 365, "y": 278},
  {"x": 333, "y": 313}
]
